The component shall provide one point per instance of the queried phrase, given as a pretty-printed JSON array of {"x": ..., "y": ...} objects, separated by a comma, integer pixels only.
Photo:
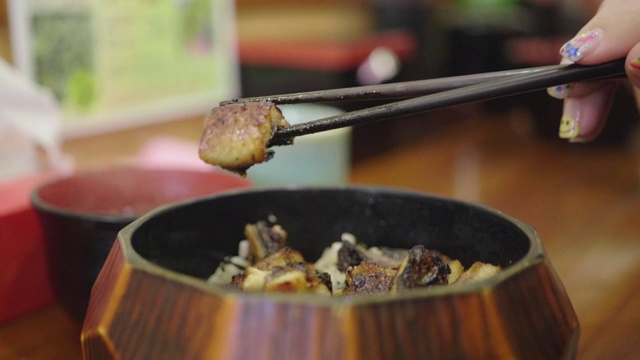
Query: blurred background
[
  {"x": 141, "y": 77},
  {"x": 285, "y": 46}
]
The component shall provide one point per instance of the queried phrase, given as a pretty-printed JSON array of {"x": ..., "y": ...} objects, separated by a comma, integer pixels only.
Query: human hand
[{"x": 613, "y": 33}]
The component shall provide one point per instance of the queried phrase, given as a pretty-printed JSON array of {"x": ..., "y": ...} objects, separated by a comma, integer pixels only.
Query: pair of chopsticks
[{"x": 426, "y": 95}]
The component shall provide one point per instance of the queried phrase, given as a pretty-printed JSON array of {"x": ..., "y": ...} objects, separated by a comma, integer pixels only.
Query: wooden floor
[{"x": 583, "y": 200}]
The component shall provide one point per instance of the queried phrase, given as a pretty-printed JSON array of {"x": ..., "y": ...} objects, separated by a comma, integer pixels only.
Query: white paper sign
[{"x": 119, "y": 63}]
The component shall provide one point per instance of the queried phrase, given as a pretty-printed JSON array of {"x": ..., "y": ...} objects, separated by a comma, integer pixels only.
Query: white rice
[
  {"x": 328, "y": 263},
  {"x": 227, "y": 270}
]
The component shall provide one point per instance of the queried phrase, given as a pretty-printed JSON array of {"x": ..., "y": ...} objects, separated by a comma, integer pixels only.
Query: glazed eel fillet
[{"x": 236, "y": 135}]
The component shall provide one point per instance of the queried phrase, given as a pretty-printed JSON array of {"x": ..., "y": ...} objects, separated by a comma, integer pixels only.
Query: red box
[{"x": 24, "y": 280}]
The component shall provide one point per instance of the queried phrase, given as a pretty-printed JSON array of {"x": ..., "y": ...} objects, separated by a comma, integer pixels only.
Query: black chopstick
[
  {"x": 396, "y": 90},
  {"x": 510, "y": 85}
]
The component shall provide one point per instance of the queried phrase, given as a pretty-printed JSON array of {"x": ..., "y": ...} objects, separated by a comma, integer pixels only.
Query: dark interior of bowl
[{"x": 189, "y": 238}]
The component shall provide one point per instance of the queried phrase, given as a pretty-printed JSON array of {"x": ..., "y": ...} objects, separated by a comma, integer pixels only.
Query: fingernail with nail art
[
  {"x": 582, "y": 45},
  {"x": 559, "y": 92},
  {"x": 635, "y": 66},
  {"x": 569, "y": 128}
]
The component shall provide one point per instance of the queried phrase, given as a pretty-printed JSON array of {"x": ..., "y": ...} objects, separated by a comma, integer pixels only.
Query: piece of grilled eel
[
  {"x": 283, "y": 271},
  {"x": 368, "y": 278},
  {"x": 236, "y": 135},
  {"x": 477, "y": 271},
  {"x": 264, "y": 240},
  {"x": 351, "y": 254},
  {"x": 421, "y": 267}
]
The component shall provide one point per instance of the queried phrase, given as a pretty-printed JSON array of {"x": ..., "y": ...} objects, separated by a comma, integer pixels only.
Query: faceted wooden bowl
[{"x": 151, "y": 300}]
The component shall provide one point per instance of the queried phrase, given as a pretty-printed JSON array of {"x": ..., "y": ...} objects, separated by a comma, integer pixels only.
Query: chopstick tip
[{"x": 279, "y": 139}]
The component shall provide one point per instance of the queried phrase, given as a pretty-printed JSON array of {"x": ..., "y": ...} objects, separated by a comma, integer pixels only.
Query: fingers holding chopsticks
[{"x": 613, "y": 33}]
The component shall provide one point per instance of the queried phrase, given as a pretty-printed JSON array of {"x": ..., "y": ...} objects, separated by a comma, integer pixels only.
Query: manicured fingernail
[
  {"x": 635, "y": 66},
  {"x": 565, "y": 61},
  {"x": 582, "y": 45},
  {"x": 559, "y": 92},
  {"x": 569, "y": 128}
]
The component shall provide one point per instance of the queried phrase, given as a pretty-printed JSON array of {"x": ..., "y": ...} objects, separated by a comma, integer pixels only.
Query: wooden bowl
[{"x": 151, "y": 299}]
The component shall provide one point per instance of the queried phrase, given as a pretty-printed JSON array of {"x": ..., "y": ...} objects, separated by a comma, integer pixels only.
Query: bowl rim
[
  {"x": 535, "y": 255},
  {"x": 41, "y": 205}
]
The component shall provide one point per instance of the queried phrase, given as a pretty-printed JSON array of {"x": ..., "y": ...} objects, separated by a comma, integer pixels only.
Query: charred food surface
[
  {"x": 421, "y": 267},
  {"x": 264, "y": 240},
  {"x": 275, "y": 267},
  {"x": 368, "y": 278},
  {"x": 283, "y": 271},
  {"x": 236, "y": 135}
]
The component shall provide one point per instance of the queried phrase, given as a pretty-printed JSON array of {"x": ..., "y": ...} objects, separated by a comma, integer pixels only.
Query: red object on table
[
  {"x": 325, "y": 55},
  {"x": 24, "y": 280}
]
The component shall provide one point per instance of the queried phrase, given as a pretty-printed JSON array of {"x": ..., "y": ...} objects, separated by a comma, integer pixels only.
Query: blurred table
[
  {"x": 584, "y": 201},
  {"x": 46, "y": 334}
]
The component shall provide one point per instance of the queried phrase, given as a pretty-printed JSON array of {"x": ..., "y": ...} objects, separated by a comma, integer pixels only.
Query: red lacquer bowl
[{"x": 81, "y": 214}]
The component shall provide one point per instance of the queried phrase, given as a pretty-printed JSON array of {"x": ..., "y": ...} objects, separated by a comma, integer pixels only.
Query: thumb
[{"x": 608, "y": 36}]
